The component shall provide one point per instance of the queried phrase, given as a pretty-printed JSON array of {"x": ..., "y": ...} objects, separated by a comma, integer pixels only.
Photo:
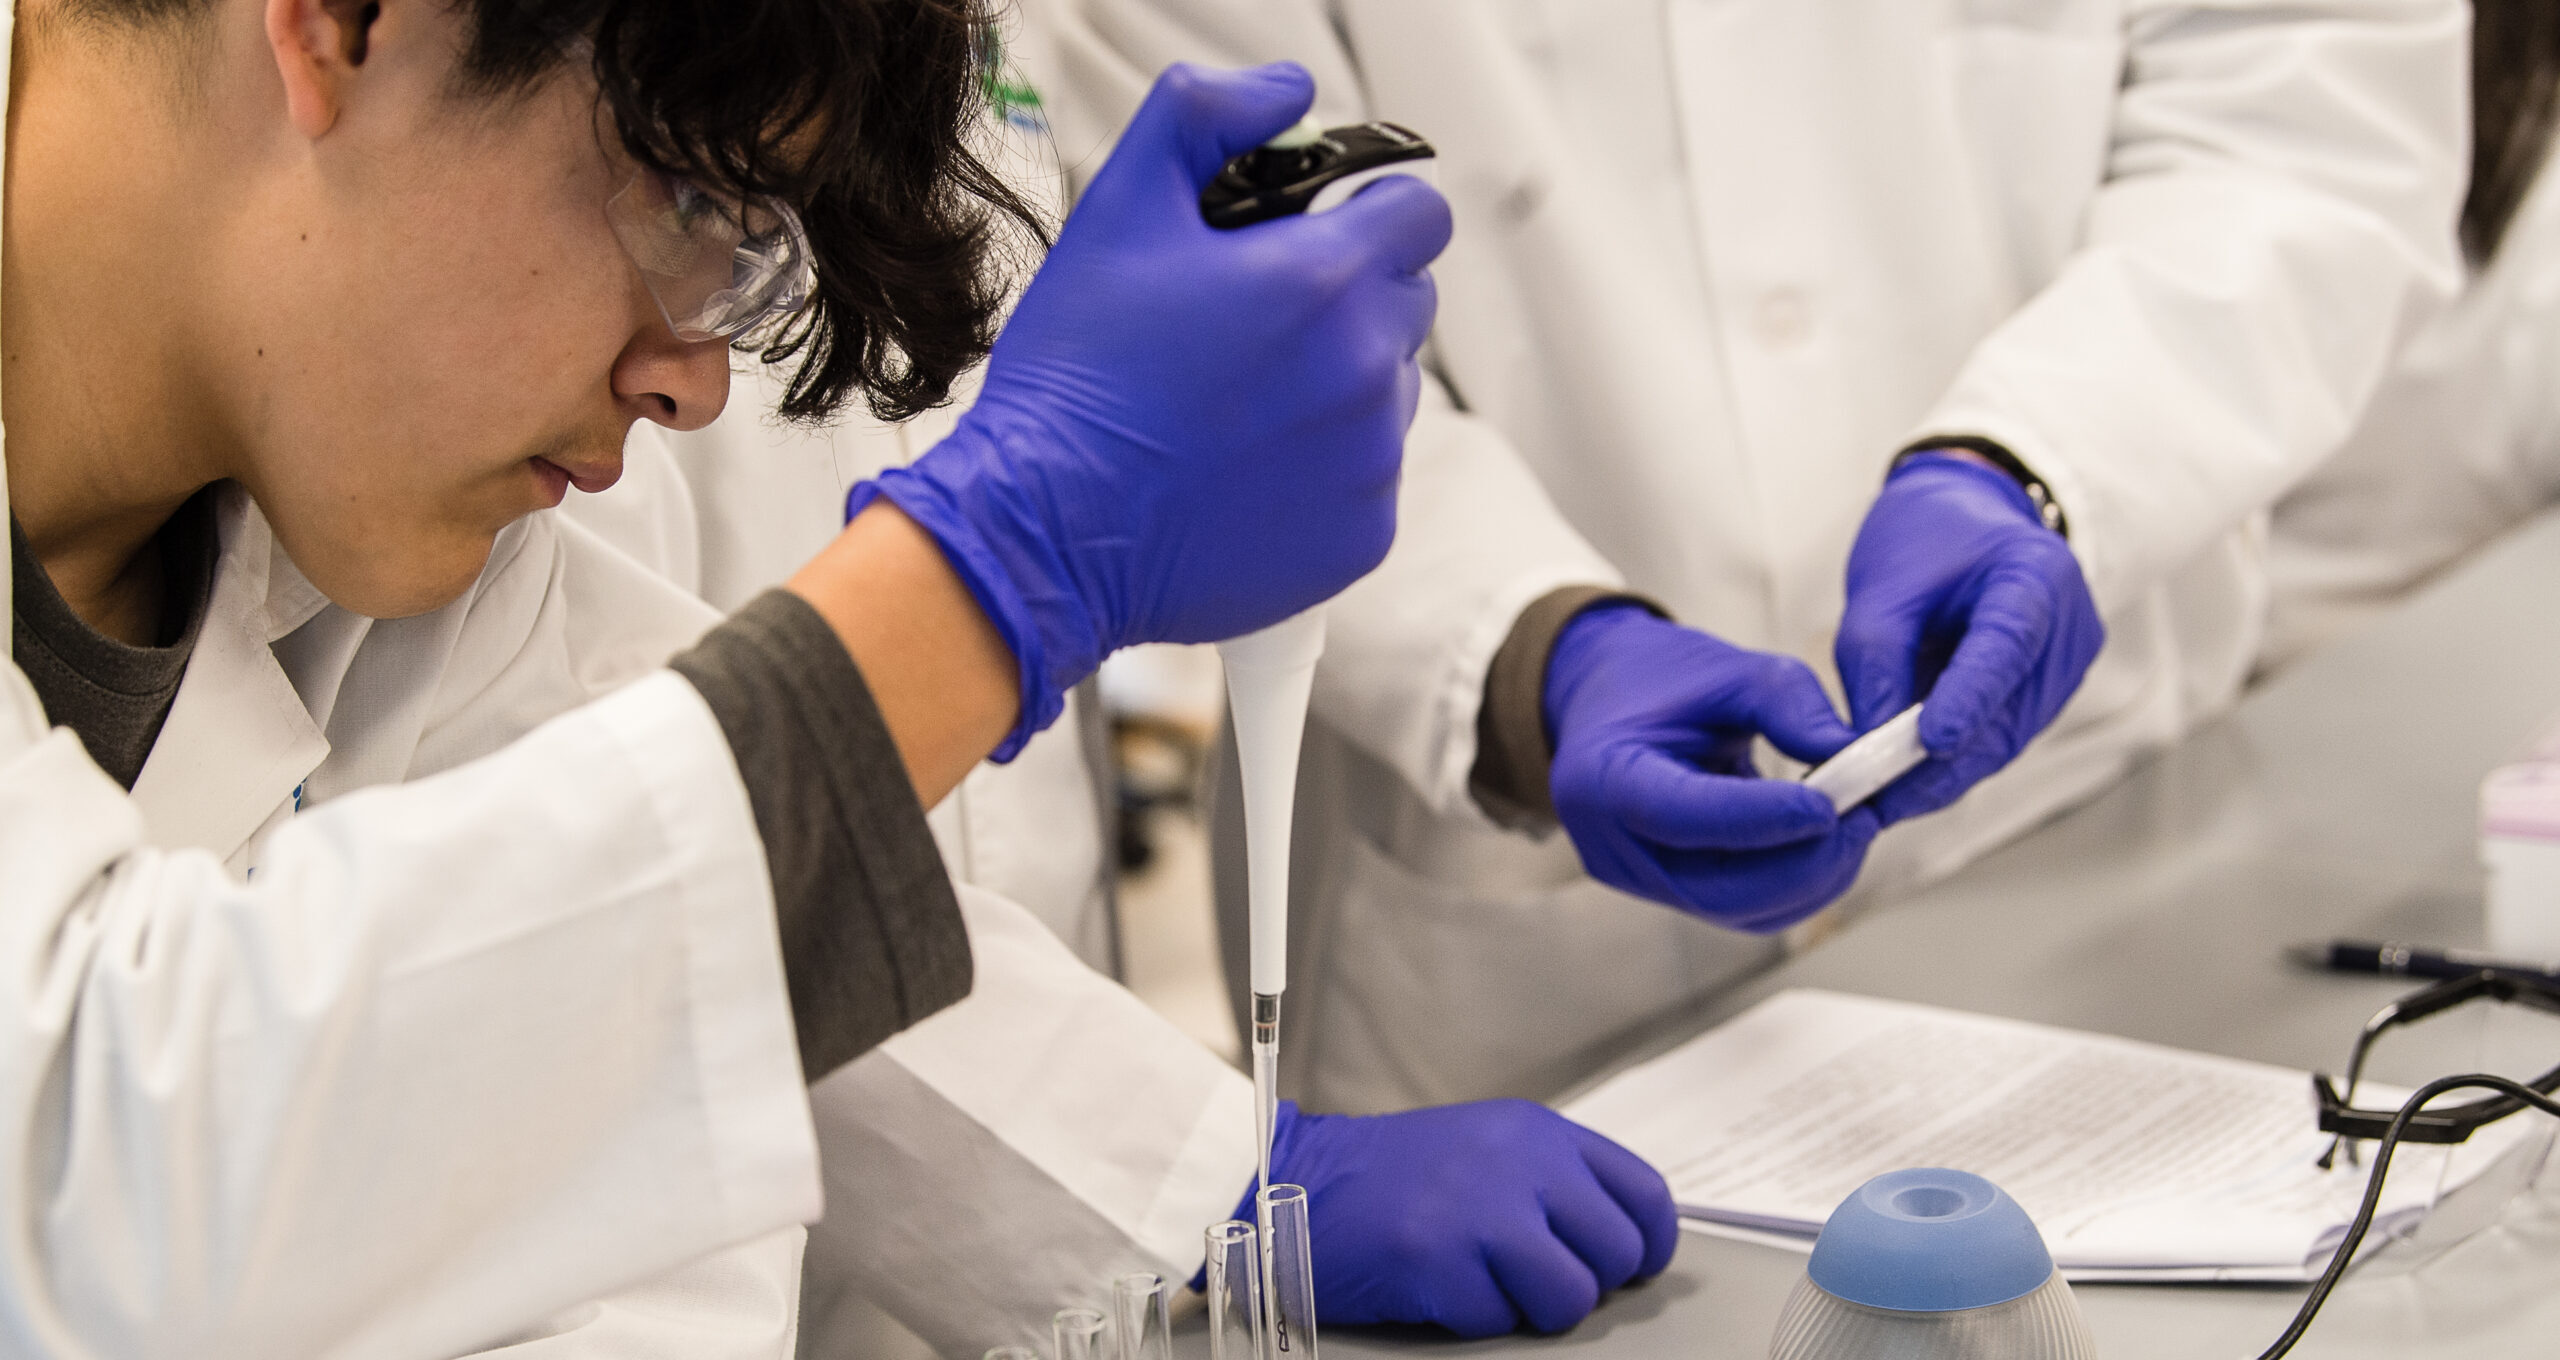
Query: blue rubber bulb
[{"x": 1929, "y": 1240}]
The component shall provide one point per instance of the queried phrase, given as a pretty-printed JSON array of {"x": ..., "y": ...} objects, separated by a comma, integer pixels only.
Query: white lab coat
[
  {"x": 2462, "y": 442},
  {"x": 313, "y": 1083},
  {"x": 298, "y": 1063},
  {"x": 1716, "y": 261},
  {"x": 624, "y": 1037}
]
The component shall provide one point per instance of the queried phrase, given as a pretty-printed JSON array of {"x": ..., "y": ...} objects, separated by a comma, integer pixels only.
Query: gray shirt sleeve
[
  {"x": 872, "y": 939},
  {"x": 1514, "y": 751}
]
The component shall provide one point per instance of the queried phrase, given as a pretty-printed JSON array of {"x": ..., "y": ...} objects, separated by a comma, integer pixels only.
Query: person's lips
[{"x": 590, "y": 476}]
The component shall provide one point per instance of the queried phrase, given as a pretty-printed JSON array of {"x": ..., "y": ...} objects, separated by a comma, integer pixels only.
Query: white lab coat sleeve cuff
[
  {"x": 2281, "y": 188},
  {"x": 1007, "y": 1157},
  {"x": 754, "y": 1095},
  {"x": 1210, "y": 1175},
  {"x": 1407, "y": 647},
  {"x": 739, "y": 1304}
]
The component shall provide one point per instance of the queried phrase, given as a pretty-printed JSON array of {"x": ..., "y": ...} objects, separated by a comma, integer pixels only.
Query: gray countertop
[{"x": 2338, "y": 799}]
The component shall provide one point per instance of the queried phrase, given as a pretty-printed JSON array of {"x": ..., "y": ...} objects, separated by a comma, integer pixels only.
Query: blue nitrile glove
[
  {"x": 1476, "y": 1217},
  {"x": 1185, "y": 434},
  {"x": 1652, "y": 778},
  {"x": 1959, "y": 594}
]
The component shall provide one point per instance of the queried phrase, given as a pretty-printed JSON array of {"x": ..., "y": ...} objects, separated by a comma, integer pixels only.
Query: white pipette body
[{"x": 1269, "y": 676}]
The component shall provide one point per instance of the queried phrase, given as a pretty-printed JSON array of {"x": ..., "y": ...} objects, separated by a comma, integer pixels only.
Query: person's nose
[{"x": 677, "y": 383}]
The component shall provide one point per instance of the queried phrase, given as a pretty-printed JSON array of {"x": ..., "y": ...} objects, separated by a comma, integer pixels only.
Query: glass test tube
[
  {"x": 1288, "y": 1274},
  {"x": 1235, "y": 1290},
  {"x": 1079, "y": 1333},
  {"x": 1142, "y": 1317}
]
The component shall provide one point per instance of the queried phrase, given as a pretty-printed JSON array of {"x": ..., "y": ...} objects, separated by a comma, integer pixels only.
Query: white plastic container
[{"x": 2520, "y": 847}]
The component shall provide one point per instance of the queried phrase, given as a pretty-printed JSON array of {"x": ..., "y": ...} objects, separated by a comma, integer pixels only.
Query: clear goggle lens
[{"x": 717, "y": 270}]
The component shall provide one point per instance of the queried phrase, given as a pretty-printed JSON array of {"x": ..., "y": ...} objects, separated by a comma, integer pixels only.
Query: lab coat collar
[{"x": 239, "y": 739}]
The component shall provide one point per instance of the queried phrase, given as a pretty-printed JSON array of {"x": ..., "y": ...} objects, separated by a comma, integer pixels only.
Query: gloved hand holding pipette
[
  {"x": 1962, "y": 594},
  {"x": 1185, "y": 433},
  {"x": 1478, "y": 1218},
  {"x": 1652, "y": 724}
]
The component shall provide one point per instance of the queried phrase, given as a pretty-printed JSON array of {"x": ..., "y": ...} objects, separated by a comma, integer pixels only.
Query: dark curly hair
[
  {"x": 861, "y": 114},
  {"x": 2515, "y": 95}
]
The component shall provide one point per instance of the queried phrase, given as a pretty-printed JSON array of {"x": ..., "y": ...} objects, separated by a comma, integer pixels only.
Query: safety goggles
[
  {"x": 2443, "y": 1124},
  {"x": 2418, "y": 1119},
  {"x": 717, "y": 267}
]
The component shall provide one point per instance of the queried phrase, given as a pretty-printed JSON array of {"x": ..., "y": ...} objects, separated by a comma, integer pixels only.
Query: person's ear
[{"x": 318, "y": 45}]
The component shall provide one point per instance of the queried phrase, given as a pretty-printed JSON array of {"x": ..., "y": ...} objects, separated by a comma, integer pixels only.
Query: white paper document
[{"x": 2137, "y": 1162}]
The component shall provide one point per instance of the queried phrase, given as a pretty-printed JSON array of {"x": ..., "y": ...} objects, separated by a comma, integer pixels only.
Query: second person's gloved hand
[
  {"x": 1652, "y": 725},
  {"x": 1185, "y": 434},
  {"x": 1959, "y": 594},
  {"x": 1478, "y": 1218}
]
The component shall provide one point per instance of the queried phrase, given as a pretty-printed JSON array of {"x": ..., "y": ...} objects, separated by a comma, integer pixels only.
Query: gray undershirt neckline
[{"x": 114, "y": 696}]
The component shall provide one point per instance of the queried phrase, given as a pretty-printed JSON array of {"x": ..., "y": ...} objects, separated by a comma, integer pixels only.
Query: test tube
[
  {"x": 1012, "y": 1353},
  {"x": 1141, "y": 1317},
  {"x": 1079, "y": 1333},
  {"x": 1288, "y": 1273},
  {"x": 1235, "y": 1290}
]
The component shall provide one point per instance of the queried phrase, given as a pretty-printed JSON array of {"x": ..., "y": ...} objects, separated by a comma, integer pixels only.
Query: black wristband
[{"x": 2047, "y": 508}]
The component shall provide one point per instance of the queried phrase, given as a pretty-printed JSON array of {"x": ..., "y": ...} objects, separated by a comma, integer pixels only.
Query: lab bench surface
[{"x": 2339, "y": 799}]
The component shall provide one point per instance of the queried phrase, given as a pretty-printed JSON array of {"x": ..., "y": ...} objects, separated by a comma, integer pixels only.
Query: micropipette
[{"x": 1306, "y": 169}]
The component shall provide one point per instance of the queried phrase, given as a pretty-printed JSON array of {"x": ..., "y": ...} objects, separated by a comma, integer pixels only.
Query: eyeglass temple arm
[
  {"x": 2514, "y": 988},
  {"x": 2454, "y": 1124}
]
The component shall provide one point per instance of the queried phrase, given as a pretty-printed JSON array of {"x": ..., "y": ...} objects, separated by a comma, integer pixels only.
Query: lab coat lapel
[{"x": 239, "y": 739}]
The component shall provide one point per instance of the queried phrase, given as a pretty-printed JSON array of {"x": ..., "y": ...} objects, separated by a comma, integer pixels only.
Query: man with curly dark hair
[{"x": 400, "y": 954}]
